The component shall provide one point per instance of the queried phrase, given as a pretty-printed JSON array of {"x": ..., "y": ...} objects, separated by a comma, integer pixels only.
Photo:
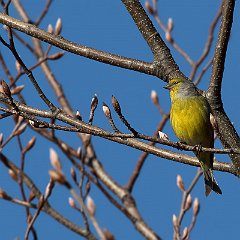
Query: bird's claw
[{"x": 198, "y": 148}]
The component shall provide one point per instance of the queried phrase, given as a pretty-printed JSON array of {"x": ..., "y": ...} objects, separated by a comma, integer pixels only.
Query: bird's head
[
  {"x": 180, "y": 88},
  {"x": 174, "y": 85}
]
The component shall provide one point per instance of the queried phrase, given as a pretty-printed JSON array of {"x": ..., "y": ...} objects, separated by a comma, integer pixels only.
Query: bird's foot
[
  {"x": 179, "y": 145},
  {"x": 198, "y": 148}
]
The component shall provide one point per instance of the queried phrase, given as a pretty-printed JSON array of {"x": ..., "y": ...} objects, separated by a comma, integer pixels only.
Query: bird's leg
[
  {"x": 198, "y": 148},
  {"x": 179, "y": 145}
]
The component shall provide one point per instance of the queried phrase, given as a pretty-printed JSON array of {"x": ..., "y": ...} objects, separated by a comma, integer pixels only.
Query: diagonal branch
[
  {"x": 163, "y": 60},
  {"x": 91, "y": 53}
]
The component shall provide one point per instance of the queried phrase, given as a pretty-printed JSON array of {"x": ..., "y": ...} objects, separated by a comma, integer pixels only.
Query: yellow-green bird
[{"x": 190, "y": 119}]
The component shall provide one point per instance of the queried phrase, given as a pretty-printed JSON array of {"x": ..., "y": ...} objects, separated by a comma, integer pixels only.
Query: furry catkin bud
[
  {"x": 3, "y": 194},
  {"x": 175, "y": 221},
  {"x": 154, "y": 97},
  {"x": 185, "y": 234},
  {"x": 163, "y": 136},
  {"x": 180, "y": 183},
  {"x": 71, "y": 202},
  {"x": 18, "y": 66},
  {"x": 149, "y": 8},
  {"x": 168, "y": 37},
  {"x": 188, "y": 202},
  {"x": 196, "y": 206},
  {"x": 90, "y": 206},
  {"x": 106, "y": 110},
  {"x": 13, "y": 175},
  {"x": 55, "y": 160},
  {"x": 58, "y": 26},
  {"x": 78, "y": 115},
  {"x": 170, "y": 24},
  {"x": 50, "y": 28},
  {"x": 64, "y": 146}
]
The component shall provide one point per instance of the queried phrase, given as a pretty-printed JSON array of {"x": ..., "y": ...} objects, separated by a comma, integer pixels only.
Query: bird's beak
[{"x": 167, "y": 87}]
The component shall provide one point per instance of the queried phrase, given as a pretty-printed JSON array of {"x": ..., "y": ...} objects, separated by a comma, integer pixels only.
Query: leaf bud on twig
[
  {"x": 55, "y": 160},
  {"x": 149, "y": 8},
  {"x": 50, "y": 28},
  {"x": 196, "y": 206},
  {"x": 188, "y": 202},
  {"x": 170, "y": 24},
  {"x": 30, "y": 144},
  {"x": 175, "y": 221},
  {"x": 91, "y": 206},
  {"x": 78, "y": 115},
  {"x": 18, "y": 66},
  {"x": 56, "y": 56},
  {"x": 180, "y": 183},
  {"x": 13, "y": 175},
  {"x": 163, "y": 136},
  {"x": 21, "y": 129},
  {"x": 72, "y": 203},
  {"x": 4, "y": 195},
  {"x": 154, "y": 97},
  {"x": 116, "y": 105},
  {"x": 185, "y": 234},
  {"x": 106, "y": 110},
  {"x": 58, "y": 26},
  {"x": 168, "y": 37},
  {"x": 17, "y": 89}
]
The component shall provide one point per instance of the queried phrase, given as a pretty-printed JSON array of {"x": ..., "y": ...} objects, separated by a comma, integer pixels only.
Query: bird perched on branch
[{"x": 190, "y": 119}]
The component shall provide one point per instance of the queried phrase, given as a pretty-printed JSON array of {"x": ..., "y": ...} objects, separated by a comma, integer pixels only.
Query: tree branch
[
  {"x": 24, "y": 110},
  {"x": 228, "y": 134},
  {"x": 46, "y": 208},
  {"x": 165, "y": 65},
  {"x": 91, "y": 53}
]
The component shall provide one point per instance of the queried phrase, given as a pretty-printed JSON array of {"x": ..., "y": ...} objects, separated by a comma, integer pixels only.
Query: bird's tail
[{"x": 210, "y": 182}]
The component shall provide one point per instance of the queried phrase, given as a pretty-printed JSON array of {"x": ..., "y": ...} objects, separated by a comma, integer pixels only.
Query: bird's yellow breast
[{"x": 190, "y": 119}]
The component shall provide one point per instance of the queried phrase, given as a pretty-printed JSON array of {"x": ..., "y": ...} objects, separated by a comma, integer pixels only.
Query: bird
[{"x": 190, "y": 120}]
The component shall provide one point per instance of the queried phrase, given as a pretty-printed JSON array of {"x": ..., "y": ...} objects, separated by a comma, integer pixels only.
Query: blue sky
[{"x": 106, "y": 25}]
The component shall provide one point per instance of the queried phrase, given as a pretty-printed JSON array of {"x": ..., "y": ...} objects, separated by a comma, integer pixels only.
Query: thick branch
[
  {"x": 166, "y": 66},
  {"x": 96, "y": 131},
  {"x": 78, "y": 49},
  {"x": 228, "y": 134}
]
